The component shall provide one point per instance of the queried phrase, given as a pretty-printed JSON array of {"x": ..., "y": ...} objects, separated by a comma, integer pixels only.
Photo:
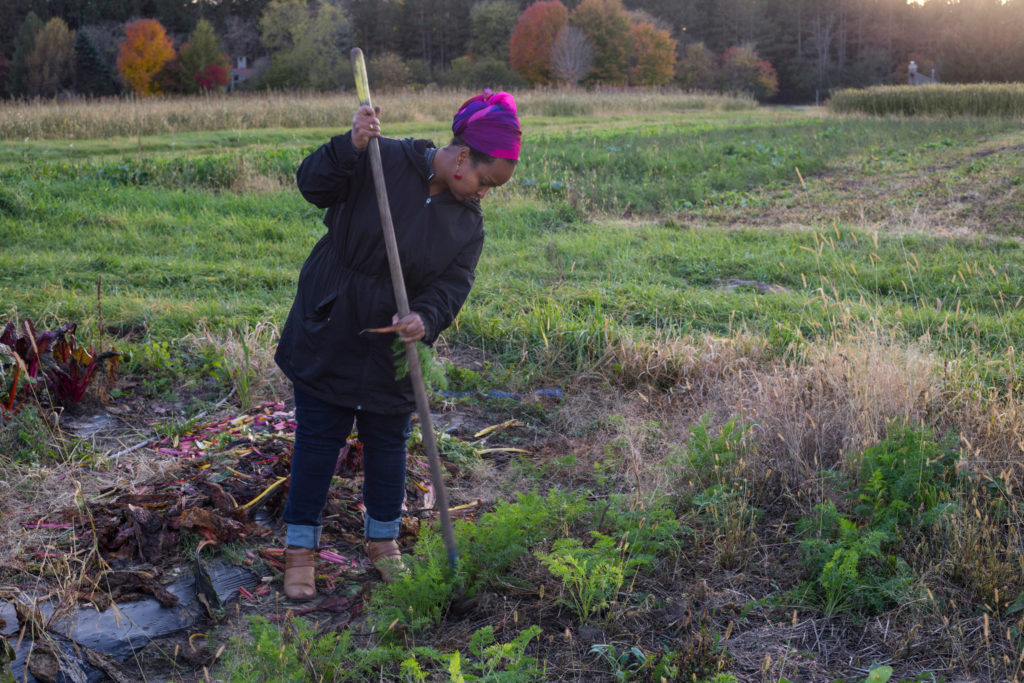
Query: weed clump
[
  {"x": 903, "y": 486},
  {"x": 297, "y": 651}
]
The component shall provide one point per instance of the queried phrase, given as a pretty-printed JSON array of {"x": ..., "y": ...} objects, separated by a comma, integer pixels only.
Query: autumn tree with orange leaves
[
  {"x": 145, "y": 50},
  {"x": 653, "y": 60},
  {"x": 529, "y": 51}
]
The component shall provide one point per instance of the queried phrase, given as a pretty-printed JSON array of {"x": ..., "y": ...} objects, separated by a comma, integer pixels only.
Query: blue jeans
[{"x": 322, "y": 431}]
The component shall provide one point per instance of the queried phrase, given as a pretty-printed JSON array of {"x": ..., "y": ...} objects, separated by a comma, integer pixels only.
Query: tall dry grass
[
  {"x": 247, "y": 357},
  {"x": 131, "y": 116},
  {"x": 832, "y": 398}
]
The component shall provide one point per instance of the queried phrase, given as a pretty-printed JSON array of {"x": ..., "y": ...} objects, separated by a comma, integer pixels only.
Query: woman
[{"x": 342, "y": 375}]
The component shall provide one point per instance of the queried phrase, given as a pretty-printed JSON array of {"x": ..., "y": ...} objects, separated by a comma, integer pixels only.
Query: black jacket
[{"x": 345, "y": 284}]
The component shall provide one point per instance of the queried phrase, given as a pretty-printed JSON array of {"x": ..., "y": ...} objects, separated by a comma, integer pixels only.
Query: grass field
[{"x": 786, "y": 341}]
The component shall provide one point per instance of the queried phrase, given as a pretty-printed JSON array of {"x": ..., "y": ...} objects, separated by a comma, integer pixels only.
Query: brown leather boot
[
  {"x": 299, "y": 581},
  {"x": 386, "y": 557}
]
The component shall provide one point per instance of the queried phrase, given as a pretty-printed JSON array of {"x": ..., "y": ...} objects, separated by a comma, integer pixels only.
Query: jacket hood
[{"x": 416, "y": 151}]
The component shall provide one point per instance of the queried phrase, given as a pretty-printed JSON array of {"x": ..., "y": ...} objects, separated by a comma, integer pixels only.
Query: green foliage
[
  {"x": 156, "y": 363},
  {"x": 716, "y": 492},
  {"x": 295, "y": 652},
  {"x": 712, "y": 459},
  {"x": 451, "y": 448},
  {"x": 606, "y": 26},
  {"x": 879, "y": 674},
  {"x": 744, "y": 71},
  {"x": 309, "y": 44},
  {"x": 903, "y": 483},
  {"x": 697, "y": 69},
  {"x": 646, "y": 533},
  {"x": 202, "y": 51},
  {"x": 49, "y": 67},
  {"x": 388, "y": 72},
  {"x": 906, "y": 480},
  {"x": 26, "y": 437},
  {"x": 419, "y": 598},
  {"x": 467, "y": 72},
  {"x": 592, "y": 576},
  {"x": 169, "y": 368},
  {"x": 434, "y": 377},
  {"x": 239, "y": 374},
  {"x": 486, "y": 660},
  {"x": 24, "y": 44},
  {"x": 625, "y": 664},
  {"x": 499, "y": 539},
  {"x": 487, "y": 550},
  {"x": 12, "y": 205},
  {"x": 963, "y": 99},
  {"x": 493, "y": 22},
  {"x": 177, "y": 425}
]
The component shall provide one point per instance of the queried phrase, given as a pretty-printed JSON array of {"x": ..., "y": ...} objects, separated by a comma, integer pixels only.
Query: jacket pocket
[
  {"x": 322, "y": 312},
  {"x": 318, "y": 320}
]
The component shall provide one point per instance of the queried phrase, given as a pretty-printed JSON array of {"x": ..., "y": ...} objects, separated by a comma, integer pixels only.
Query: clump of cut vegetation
[{"x": 959, "y": 99}]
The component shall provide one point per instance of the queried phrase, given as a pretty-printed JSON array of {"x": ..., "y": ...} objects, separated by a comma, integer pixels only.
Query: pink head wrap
[{"x": 488, "y": 123}]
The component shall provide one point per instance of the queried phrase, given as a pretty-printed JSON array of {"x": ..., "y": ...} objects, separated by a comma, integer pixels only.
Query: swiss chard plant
[
  {"x": 72, "y": 367},
  {"x": 28, "y": 357}
]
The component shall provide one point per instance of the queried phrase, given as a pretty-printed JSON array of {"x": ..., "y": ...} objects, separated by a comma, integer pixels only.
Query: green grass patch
[{"x": 175, "y": 246}]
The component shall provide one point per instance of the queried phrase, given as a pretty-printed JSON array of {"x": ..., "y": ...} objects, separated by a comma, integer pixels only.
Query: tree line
[{"x": 786, "y": 50}]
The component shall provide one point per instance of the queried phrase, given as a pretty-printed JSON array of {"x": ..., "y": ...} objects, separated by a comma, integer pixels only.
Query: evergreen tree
[
  {"x": 23, "y": 46},
  {"x": 92, "y": 75}
]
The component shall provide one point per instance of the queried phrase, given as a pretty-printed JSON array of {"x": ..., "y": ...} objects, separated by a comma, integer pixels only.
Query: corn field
[{"x": 969, "y": 99}]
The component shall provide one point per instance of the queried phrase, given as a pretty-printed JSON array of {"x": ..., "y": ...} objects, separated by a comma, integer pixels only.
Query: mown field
[{"x": 789, "y": 436}]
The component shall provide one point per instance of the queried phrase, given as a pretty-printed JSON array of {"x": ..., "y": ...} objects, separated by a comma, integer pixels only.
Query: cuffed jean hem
[
  {"x": 303, "y": 536},
  {"x": 377, "y": 529}
]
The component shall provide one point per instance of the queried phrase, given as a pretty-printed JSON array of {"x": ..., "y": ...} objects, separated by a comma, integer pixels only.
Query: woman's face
[{"x": 477, "y": 180}]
